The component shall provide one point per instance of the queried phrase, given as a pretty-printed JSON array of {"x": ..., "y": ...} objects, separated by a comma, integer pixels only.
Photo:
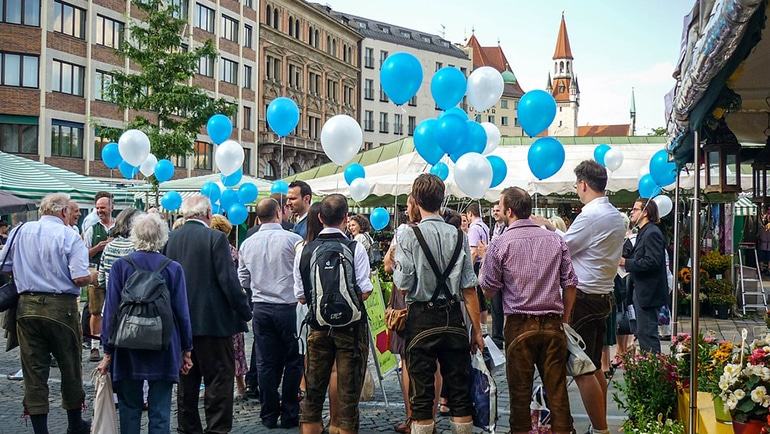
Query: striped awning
[
  {"x": 33, "y": 180},
  {"x": 744, "y": 207}
]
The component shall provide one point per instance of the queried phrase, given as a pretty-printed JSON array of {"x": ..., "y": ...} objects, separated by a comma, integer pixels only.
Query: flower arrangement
[
  {"x": 648, "y": 393},
  {"x": 720, "y": 292},
  {"x": 745, "y": 382},
  {"x": 712, "y": 355},
  {"x": 715, "y": 263}
]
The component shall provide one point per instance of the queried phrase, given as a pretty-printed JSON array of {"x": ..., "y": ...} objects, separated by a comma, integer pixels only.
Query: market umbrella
[{"x": 10, "y": 204}]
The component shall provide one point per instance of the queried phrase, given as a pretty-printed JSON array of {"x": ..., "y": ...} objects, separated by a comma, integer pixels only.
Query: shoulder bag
[
  {"x": 395, "y": 319},
  {"x": 9, "y": 295},
  {"x": 578, "y": 362}
]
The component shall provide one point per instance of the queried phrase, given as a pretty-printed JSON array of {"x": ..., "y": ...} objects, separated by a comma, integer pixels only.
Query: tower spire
[
  {"x": 563, "y": 50},
  {"x": 632, "y": 131}
]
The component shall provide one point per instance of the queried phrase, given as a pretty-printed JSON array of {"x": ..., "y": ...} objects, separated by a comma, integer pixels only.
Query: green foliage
[
  {"x": 720, "y": 292},
  {"x": 655, "y": 426},
  {"x": 658, "y": 132},
  {"x": 649, "y": 390}
]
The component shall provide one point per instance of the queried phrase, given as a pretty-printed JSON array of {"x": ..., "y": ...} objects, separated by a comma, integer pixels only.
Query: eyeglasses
[
  {"x": 636, "y": 209},
  {"x": 576, "y": 184}
]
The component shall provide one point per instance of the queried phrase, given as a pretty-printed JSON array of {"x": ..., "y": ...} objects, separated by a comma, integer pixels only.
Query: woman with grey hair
[{"x": 161, "y": 368}]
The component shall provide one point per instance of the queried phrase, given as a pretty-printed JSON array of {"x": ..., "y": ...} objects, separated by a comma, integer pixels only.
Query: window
[
  {"x": 178, "y": 160},
  {"x": 515, "y": 122},
  {"x": 314, "y": 127},
  {"x": 398, "y": 126},
  {"x": 248, "y": 36},
  {"x": 295, "y": 76},
  {"x": 297, "y": 29},
  {"x": 246, "y": 77},
  {"x": 206, "y": 66},
  {"x": 67, "y": 78},
  {"x": 348, "y": 95},
  {"x": 412, "y": 124},
  {"x": 310, "y": 36},
  {"x": 270, "y": 170},
  {"x": 369, "y": 89},
  {"x": 273, "y": 70},
  {"x": 230, "y": 28},
  {"x": 19, "y": 70},
  {"x": 383, "y": 56},
  {"x": 109, "y": 32},
  {"x": 67, "y": 19},
  {"x": 181, "y": 9},
  {"x": 331, "y": 90},
  {"x": 20, "y": 136},
  {"x": 268, "y": 15},
  {"x": 504, "y": 121},
  {"x": 504, "y": 103},
  {"x": 477, "y": 118},
  {"x": 228, "y": 72},
  {"x": 383, "y": 96},
  {"x": 491, "y": 119},
  {"x": 291, "y": 26},
  {"x": 276, "y": 18},
  {"x": 203, "y": 154},
  {"x": 439, "y": 65},
  {"x": 66, "y": 139},
  {"x": 247, "y": 118},
  {"x": 413, "y": 101},
  {"x": 383, "y": 122},
  {"x": 102, "y": 81},
  {"x": 204, "y": 18},
  {"x": 246, "y": 168},
  {"x": 99, "y": 144},
  {"x": 25, "y": 12},
  {"x": 369, "y": 58},
  {"x": 368, "y": 120}
]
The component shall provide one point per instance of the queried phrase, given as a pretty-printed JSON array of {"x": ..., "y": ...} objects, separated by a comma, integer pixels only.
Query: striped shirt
[
  {"x": 531, "y": 266},
  {"x": 115, "y": 249}
]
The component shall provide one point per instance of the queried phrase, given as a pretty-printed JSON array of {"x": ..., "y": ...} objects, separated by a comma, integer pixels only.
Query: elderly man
[
  {"x": 266, "y": 265},
  {"x": 299, "y": 197},
  {"x": 74, "y": 217},
  {"x": 218, "y": 310},
  {"x": 47, "y": 313}
]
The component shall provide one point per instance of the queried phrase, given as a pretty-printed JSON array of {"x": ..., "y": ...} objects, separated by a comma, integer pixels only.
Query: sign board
[{"x": 375, "y": 310}]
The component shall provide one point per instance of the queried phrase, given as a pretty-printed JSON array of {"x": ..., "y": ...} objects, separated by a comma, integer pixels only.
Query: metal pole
[
  {"x": 675, "y": 262},
  {"x": 695, "y": 259}
]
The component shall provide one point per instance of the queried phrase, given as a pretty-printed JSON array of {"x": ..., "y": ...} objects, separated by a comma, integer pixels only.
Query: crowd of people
[{"x": 534, "y": 273}]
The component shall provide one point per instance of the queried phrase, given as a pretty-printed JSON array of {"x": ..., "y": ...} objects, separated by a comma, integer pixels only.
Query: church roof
[
  {"x": 563, "y": 50},
  {"x": 490, "y": 56},
  {"x": 604, "y": 130}
]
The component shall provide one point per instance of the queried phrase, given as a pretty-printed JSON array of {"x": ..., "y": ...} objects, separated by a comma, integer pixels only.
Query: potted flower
[
  {"x": 721, "y": 298},
  {"x": 648, "y": 393},
  {"x": 715, "y": 263},
  {"x": 744, "y": 384}
]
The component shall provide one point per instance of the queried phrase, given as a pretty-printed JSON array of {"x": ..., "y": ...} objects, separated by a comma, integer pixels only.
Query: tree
[
  {"x": 658, "y": 132},
  {"x": 161, "y": 85}
]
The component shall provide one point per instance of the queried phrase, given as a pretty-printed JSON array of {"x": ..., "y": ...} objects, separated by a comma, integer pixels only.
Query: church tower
[{"x": 563, "y": 85}]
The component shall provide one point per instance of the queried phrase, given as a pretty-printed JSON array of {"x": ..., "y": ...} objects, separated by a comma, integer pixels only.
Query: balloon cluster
[
  {"x": 131, "y": 155},
  {"x": 609, "y": 157},
  {"x": 661, "y": 174},
  {"x": 231, "y": 201}
]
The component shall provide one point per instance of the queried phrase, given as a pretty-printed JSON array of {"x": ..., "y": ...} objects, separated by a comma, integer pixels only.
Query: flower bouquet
[{"x": 745, "y": 383}]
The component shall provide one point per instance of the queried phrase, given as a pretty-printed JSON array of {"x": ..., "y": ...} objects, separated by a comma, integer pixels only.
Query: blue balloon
[
  {"x": 599, "y": 152},
  {"x": 171, "y": 200},
  {"x": 425, "y": 141},
  {"x": 232, "y": 179},
  {"x": 111, "y": 155},
  {"x": 247, "y": 193},
  {"x": 647, "y": 187},
  {"x": 211, "y": 190},
  {"x": 237, "y": 213},
  {"x": 164, "y": 170},
  {"x": 499, "y": 170},
  {"x": 228, "y": 198},
  {"x": 457, "y": 111},
  {"x": 537, "y": 109},
  {"x": 662, "y": 171},
  {"x": 219, "y": 128},
  {"x": 379, "y": 218},
  {"x": 401, "y": 77},
  {"x": 441, "y": 170},
  {"x": 279, "y": 186},
  {"x": 216, "y": 209},
  {"x": 448, "y": 87},
  {"x": 451, "y": 133},
  {"x": 353, "y": 172},
  {"x": 127, "y": 170},
  {"x": 545, "y": 157},
  {"x": 477, "y": 138},
  {"x": 282, "y": 116}
]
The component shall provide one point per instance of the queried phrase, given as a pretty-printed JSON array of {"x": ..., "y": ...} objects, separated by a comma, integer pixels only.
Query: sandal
[
  {"x": 443, "y": 410},
  {"x": 616, "y": 362},
  {"x": 405, "y": 428}
]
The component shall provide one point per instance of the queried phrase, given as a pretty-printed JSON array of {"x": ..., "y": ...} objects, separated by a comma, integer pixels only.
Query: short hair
[
  {"x": 304, "y": 188},
  {"x": 149, "y": 233},
  {"x": 452, "y": 217},
  {"x": 415, "y": 217},
  {"x": 651, "y": 208},
  {"x": 4, "y": 223},
  {"x": 54, "y": 203},
  {"x": 280, "y": 198},
  {"x": 334, "y": 208},
  {"x": 593, "y": 173},
  {"x": 124, "y": 221},
  {"x": 428, "y": 192},
  {"x": 474, "y": 209},
  {"x": 101, "y": 194},
  {"x": 517, "y": 200},
  {"x": 266, "y": 209},
  {"x": 196, "y": 205},
  {"x": 362, "y": 222},
  {"x": 221, "y": 224},
  {"x": 314, "y": 225}
]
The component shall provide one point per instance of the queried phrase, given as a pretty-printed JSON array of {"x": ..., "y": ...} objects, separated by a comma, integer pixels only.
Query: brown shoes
[
  {"x": 405, "y": 427},
  {"x": 95, "y": 357}
]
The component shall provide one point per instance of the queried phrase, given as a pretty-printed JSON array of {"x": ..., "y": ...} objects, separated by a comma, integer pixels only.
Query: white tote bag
[
  {"x": 578, "y": 362},
  {"x": 105, "y": 418}
]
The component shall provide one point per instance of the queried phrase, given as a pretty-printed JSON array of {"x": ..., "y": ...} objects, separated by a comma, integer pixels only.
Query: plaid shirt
[{"x": 530, "y": 265}]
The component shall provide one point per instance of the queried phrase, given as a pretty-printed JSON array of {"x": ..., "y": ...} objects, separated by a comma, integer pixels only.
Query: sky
[{"x": 617, "y": 44}]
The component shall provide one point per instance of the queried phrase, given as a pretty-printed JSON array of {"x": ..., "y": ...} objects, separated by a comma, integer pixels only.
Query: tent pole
[
  {"x": 675, "y": 262},
  {"x": 695, "y": 282}
]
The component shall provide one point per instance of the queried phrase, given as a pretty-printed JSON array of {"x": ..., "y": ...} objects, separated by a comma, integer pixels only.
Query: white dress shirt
[{"x": 265, "y": 264}]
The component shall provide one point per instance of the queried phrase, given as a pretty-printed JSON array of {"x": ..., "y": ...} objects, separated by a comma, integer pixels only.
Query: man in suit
[
  {"x": 218, "y": 309},
  {"x": 283, "y": 200}
]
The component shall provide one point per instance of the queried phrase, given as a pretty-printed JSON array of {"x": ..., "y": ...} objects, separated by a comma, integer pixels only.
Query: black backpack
[
  {"x": 144, "y": 320},
  {"x": 374, "y": 252},
  {"x": 331, "y": 290}
]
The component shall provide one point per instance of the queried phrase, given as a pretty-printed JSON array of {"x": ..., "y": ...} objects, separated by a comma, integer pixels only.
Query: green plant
[
  {"x": 745, "y": 382},
  {"x": 712, "y": 355},
  {"x": 715, "y": 263},
  {"x": 655, "y": 426},
  {"x": 649, "y": 390},
  {"x": 722, "y": 299},
  {"x": 718, "y": 286}
]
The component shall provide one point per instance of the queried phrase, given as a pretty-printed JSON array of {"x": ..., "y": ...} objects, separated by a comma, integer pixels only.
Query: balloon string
[{"x": 283, "y": 141}]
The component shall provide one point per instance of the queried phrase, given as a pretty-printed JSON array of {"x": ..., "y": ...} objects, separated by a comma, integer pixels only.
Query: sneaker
[
  {"x": 18, "y": 376},
  {"x": 94, "y": 357}
]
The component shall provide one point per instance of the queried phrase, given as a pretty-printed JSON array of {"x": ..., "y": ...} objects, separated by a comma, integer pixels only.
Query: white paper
[{"x": 498, "y": 358}]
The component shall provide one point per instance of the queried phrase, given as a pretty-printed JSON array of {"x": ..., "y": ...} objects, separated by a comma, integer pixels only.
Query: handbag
[
  {"x": 9, "y": 295},
  {"x": 105, "y": 418},
  {"x": 395, "y": 319},
  {"x": 578, "y": 362},
  {"x": 484, "y": 394}
]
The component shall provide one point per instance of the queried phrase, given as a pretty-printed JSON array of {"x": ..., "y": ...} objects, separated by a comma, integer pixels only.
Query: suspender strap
[{"x": 440, "y": 277}]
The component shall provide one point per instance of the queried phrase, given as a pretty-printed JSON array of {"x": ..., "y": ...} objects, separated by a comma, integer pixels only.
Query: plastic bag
[
  {"x": 105, "y": 418},
  {"x": 578, "y": 362},
  {"x": 541, "y": 415},
  {"x": 367, "y": 390},
  {"x": 484, "y": 393}
]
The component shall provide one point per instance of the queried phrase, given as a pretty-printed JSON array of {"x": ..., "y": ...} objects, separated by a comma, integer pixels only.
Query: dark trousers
[
  {"x": 131, "y": 399},
  {"x": 213, "y": 360},
  {"x": 252, "y": 378},
  {"x": 276, "y": 339},
  {"x": 438, "y": 333},
  {"x": 498, "y": 319},
  {"x": 647, "y": 327}
]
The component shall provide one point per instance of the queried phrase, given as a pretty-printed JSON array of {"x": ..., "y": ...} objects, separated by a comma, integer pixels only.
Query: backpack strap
[
  {"x": 440, "y": 277},
  {"x": 158, "y": 270}
]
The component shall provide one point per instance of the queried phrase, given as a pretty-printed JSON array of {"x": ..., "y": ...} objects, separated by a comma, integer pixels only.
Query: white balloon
[
  {"x": 485, "y": 87},
  {"x": 341, "y": 138},
  {"x": 613, "y": 159},
  {"x": 229, "y": 157},
  {"x": 148, "y": 167},
  {"x": 665, "y": 205},
  {"x": 359, "y": 189},
  {"x": 473, "y": 174},
  {"x": 644, "y": 170},
  {"x": 134, "y": 147},
  {"x": 493, "y": 137}
]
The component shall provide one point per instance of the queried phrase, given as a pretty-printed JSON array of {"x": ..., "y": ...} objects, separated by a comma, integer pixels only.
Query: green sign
[{"x": 375, "y": 310}]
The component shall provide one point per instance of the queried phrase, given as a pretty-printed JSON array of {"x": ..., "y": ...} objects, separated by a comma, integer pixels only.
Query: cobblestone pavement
[{"x": 376, "y": 417}]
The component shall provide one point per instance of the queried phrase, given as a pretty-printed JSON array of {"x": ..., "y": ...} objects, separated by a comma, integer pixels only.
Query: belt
[
  {"x": 581, "y": 295},
  {"x": 521, "y": 316},
  {"x": 47, "y": 294},
  {"x": 434, "y": 305}
]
